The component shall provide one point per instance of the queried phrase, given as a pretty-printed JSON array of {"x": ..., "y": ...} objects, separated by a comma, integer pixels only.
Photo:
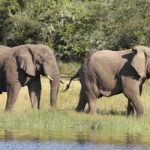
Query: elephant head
[
  {"x": 39, "y": 59},
  {"x": 141, "y": 61}
]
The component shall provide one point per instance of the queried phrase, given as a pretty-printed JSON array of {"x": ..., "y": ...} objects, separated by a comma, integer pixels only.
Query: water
[{"x": 71, "y": 139}]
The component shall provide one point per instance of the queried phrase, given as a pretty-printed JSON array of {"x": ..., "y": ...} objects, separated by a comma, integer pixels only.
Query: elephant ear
[
  {"x": 25, "y": 62},
  {"x": 138, "y": 62}
]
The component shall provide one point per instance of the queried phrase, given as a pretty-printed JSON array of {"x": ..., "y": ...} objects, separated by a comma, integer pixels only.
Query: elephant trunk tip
[{"x": 53, "y": 106}]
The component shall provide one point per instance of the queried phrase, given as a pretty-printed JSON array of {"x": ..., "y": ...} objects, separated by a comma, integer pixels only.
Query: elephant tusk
[{"x": 49, "y": 77}]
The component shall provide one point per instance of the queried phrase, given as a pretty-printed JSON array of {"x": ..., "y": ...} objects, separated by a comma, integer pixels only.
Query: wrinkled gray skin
[
  {"x": 23, "y": 65},
  {"x": 107, "y": 73}
]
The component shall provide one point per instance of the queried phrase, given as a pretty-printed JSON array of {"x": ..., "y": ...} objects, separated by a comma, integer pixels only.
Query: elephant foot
[
  {"x": 92, "y": 112},
  {"x": 130, "y": 112},
  {"x": 35, "y": 108},
  {"x": 8, "y": 110},
  {"x": 140, "y": 114},
  {"x": 79, "y": 109},
  {"x": 92, "y": 107}
]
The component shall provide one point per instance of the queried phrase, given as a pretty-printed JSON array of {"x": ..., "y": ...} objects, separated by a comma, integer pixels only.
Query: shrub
[{"x": 75, "y": 29}]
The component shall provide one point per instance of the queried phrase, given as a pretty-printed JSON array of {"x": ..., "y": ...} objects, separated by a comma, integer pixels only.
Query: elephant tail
[{"x": 72, "y": 78}]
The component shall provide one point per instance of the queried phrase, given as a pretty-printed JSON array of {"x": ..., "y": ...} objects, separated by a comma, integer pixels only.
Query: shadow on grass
[{"x": 112, "y": 112}]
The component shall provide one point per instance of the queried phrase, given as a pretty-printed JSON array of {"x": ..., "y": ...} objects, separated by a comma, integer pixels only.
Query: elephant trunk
[{"x": 54, "y": 90}]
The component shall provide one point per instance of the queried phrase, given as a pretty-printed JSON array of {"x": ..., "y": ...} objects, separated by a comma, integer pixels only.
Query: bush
[
  {"x": 75, "y": 29},
  {"x": 22, "y": 30}
]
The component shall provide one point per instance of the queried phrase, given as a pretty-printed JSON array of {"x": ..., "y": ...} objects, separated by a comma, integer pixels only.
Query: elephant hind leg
[
  {"x": 82, "y": 101},
  {"x": 34, "y": 89},
  {"x": 130, "y": 108},
  {"x": 12, "y": 95},
  {"x": 92, "y": 106}
]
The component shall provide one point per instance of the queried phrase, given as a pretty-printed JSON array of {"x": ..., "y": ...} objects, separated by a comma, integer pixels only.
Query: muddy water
[{"x": 24, "y": 139}]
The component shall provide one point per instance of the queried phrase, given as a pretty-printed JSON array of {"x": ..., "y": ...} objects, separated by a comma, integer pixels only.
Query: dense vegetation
[{"x": 75, "y": 28}]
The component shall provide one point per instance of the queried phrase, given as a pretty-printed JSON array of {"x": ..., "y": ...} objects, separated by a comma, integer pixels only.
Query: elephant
[
  {"x": 107, "y": 73},
  {"x": 3, "y": 52},
  {"x": 22, "y": 66}
]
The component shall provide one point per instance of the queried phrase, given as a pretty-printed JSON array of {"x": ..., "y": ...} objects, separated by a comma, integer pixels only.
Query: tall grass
[{"x": 111, "y": 112}]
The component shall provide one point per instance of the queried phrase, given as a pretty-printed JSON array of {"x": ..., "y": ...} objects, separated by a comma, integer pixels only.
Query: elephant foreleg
[
  {"x": 35, "y": 92},
  {"x": 130, "y": 107},
  {"x": 12, "y": 95},
  {"x": 131, "y": 90}
]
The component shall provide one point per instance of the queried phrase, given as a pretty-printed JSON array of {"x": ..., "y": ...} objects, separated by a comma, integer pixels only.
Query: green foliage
[
  {"x": 75, "y": 29},
  {"x": 21, "y": 30},
  {"x": 67, "y": 69}
]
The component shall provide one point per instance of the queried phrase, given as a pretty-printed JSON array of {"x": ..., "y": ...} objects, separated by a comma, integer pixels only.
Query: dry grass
[{"x": 111, "y": 112}]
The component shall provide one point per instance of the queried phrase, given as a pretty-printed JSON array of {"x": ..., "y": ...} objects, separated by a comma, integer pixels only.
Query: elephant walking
[
  {"x": 107, "y": 73},
  {"x": 23, "y": 65}
]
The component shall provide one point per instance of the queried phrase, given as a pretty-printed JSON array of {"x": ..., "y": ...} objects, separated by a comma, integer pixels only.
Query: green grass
[
  {"x": 67, "y": 69},
  {"x": 111, "y": 112}
]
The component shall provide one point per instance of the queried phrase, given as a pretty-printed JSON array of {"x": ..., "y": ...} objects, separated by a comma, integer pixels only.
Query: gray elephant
[
  {"x": 23, "y": 65},
  {"x": 107, "y": 73}
]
